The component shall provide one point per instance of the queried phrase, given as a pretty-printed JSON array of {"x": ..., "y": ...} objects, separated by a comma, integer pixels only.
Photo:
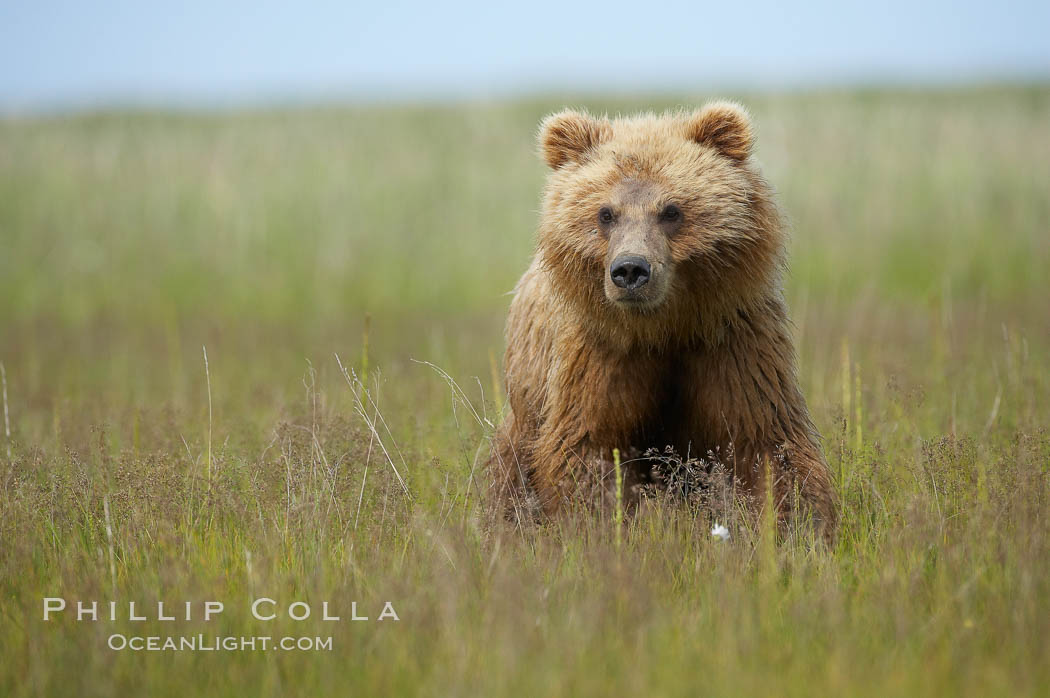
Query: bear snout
[{"x": 630, "y": 272}]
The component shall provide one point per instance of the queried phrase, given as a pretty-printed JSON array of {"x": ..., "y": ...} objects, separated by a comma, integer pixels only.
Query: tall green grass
[{"x": 140, "y": 471}]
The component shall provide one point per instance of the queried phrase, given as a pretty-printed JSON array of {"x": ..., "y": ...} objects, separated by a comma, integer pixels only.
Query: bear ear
[
  {"x": 568, "y": 135},
  {"x": 724, "y": 126}
]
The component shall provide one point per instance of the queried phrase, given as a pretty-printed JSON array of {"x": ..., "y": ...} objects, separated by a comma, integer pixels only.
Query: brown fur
[{"x": 701, "y": 358}]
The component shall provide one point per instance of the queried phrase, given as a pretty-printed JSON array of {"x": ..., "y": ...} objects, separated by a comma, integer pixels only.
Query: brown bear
[{"x": 652, "y": 316}]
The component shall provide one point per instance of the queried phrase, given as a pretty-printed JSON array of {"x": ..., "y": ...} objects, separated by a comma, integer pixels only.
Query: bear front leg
[
  {"x": 800, "y": 481},
  {"x": 744, "y": 397},
  {"x": 559, "y": 463},
  {"x": 537, "y": 464},
  {"x": 509, "y": 465}
]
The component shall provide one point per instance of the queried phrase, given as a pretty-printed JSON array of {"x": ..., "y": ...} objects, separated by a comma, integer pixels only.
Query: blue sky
[{"x": 96, "y": 53}]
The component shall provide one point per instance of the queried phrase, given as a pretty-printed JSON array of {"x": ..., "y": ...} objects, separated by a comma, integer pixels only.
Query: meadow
[{"x": 255, "y": 354}]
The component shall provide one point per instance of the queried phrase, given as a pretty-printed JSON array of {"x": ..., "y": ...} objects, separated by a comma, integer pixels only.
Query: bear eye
[
  {"x": 670, "y": 214},
  {"x": 605, "y": 215}
]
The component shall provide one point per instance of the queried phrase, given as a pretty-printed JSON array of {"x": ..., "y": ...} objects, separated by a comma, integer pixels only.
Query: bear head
[{"x": 658, "y": 228}]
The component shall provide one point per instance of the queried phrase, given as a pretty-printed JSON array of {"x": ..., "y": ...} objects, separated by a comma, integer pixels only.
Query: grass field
[{"x": 134, "y": 470}]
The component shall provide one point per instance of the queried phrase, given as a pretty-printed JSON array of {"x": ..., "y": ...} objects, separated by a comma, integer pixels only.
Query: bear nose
[{"x": 630, "y": 271}]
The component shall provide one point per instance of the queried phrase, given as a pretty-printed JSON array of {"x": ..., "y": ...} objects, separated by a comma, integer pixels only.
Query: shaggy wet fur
[{"x": 709, "y": 367}]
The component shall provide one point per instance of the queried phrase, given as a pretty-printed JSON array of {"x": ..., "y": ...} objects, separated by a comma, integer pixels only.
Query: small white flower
[{"x": 720, "y": 532}]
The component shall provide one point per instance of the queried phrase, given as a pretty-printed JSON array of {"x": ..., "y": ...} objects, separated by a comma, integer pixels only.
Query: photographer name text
[{"x": 263, "y": 609}]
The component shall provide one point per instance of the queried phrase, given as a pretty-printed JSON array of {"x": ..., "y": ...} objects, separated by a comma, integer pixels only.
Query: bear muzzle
[{"x": 633, "y": 281}]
